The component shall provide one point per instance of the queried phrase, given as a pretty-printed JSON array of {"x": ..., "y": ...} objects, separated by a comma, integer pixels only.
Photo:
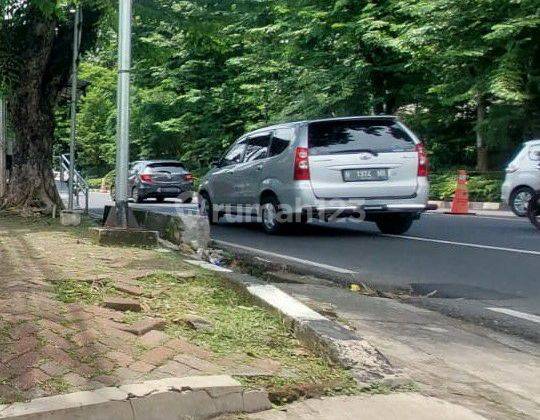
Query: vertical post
[
  {"x": 122, "y": 123},
  {"x": 3, "y": 148},
  {"x": 76, "y": 38}
]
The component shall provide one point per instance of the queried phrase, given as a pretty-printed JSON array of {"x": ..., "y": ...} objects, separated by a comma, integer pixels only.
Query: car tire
[
  {"x": 270, "y": 222},
  {"x": 187, "y": 200},
  {"x": 137, "y": 197},
  {"x": 206, "y": 208},
  {"x": 518, "y": 200},
  {"x": 160, "y": 199},
  {"x": 534, "y": 210},
  {"x": 394, "y": 224}
]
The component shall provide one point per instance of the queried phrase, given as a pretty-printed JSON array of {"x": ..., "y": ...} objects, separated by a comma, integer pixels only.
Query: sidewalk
[
  {"x": 406, "y": 406},
  {"x": 75, "y": 316},
  {"x": 493, "y": 374}
]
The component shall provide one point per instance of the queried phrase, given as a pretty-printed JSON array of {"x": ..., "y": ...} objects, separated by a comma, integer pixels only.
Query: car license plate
[
  {"x": 372, "y": 174},
  {"x": 169, "y": 190}
]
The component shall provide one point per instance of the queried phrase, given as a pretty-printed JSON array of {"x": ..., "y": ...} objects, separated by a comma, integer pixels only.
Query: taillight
[
  {"x": 146, "y": 178},
  {"x": 188, "y": 177},
  {"x": 301, "y": 164},
  {"x": 423, "y": 162}
]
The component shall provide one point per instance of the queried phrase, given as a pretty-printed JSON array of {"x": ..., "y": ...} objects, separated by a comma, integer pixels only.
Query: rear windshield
[
  {"x": 172, "y": 167},
  {"x": 353, "y": 136}
]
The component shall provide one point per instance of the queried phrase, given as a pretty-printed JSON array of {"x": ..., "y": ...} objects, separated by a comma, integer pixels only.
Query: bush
[
  {"x": 108, "y": 180},
  {"x": 482, "y": 187},
  {"x": 94, "y": 183}
]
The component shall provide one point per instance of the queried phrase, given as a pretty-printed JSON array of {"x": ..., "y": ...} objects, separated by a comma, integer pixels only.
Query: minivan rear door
[{"x": 362, "y": 158}]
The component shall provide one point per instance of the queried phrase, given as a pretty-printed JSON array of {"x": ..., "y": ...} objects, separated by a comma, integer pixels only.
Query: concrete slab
[{"x": 195, "y": 397}]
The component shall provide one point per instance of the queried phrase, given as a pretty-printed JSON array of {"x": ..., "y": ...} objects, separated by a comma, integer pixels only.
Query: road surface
[{"x": 482, "y": 268}]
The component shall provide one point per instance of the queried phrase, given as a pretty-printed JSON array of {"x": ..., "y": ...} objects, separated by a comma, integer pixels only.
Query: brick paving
[{"x": 49, "y": 347}]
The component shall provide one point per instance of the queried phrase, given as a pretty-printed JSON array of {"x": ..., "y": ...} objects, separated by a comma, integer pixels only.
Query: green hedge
[
  {"x": 94, "y": 183},
  {"x": 482, "y": 187}
]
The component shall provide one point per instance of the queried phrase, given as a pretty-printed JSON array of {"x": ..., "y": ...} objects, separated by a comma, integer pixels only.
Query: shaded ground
[{"x": 56, "y": 336}]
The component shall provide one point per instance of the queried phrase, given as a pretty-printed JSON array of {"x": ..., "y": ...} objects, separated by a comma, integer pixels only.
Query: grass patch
[
  {"x": 71, "y": 291},
  {"x": 56, "y": 386},
  {"x": 240, "y": 328}
]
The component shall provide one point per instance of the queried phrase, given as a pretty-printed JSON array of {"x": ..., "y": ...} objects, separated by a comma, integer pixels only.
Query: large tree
[{"x": 36, "y": 38}]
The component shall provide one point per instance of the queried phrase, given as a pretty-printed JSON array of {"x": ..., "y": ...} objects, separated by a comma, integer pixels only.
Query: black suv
[{"x": 159, "y": 179}]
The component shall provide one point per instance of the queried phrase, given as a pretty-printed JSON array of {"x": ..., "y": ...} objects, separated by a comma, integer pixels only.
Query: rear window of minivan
[{"x": 353, "y": 136}]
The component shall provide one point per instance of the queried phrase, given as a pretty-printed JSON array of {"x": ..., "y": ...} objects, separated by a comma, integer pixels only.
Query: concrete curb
[
  {"x": 473, "y": 205},
  {"x": 322, "y": 335},
  {"x": 194, "y": 397}
]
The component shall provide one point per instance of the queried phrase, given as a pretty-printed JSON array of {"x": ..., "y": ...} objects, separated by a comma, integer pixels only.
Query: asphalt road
[{"x": 481, "y": 268}]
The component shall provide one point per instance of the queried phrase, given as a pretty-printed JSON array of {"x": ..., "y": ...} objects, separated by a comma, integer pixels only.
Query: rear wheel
[
  {"x": 519, "y": 200},
  {"x": 270, "y": 215},
  {"x": 394, "y": 224},
  {"x": 187, "y": 200},
  {"x": 137, "y": 197},
  {"x": 160, "y": 199}
]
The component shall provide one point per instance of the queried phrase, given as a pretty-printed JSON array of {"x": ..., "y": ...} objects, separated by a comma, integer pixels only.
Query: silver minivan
[
  {"x": 522, "y": 178},
  {"x": 373, "y": 168}
]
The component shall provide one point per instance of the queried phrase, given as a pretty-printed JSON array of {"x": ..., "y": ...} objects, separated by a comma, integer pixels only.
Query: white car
[{"x": 522, "y": 178}]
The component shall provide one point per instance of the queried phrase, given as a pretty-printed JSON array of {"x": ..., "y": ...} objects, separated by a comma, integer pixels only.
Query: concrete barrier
[{"x": 181, "y": 228}]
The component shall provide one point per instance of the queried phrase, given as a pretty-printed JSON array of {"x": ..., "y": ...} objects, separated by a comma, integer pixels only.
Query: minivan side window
[
  {"x": 281, "y": 140},
  {"x": 257, "y": 147},
  {"x": 235, "y": 153}
]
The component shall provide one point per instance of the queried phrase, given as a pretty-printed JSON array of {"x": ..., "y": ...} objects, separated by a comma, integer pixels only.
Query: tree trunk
[
  {"x": 31, "y": 112},
  {"x": 482, "y": 162}
]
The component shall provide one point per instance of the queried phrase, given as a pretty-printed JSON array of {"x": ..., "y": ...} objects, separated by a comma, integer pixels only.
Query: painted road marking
[
  {"x": 479, "y": 216},
  {"x": 440, "y": 241},
  {"x": 517, "y": 314},
  {"x": 286, "y": 257}
]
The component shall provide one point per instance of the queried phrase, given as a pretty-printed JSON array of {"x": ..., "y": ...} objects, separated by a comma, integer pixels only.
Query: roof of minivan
[
  {"x": 295, "y": 123},
  {"x": 535, "y": 142}
]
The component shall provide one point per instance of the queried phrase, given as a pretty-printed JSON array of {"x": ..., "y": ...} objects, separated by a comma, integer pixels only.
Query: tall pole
[
  {"x": 3, "y": 147},
  {"x": 74, "y": 82},
  {"x": 122, "y": 123}
]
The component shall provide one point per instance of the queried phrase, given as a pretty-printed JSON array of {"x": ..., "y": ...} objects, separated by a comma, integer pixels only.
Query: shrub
[{"x": 482, "y": 187}]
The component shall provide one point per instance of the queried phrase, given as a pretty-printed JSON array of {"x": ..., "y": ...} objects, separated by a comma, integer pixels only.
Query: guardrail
[{"x": 79, "y": 183}]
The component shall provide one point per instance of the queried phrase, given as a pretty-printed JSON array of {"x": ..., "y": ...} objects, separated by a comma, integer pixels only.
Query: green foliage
[
  {"x": 204, "y": 72},
  {"x": 481, "y": 187}
]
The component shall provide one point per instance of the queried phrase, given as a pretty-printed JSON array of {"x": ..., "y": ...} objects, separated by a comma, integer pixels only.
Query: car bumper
[
  {"x": 506, "y": 189},
  {"x": 301, "y": 199},
  {"x": 168, "y": 191}
]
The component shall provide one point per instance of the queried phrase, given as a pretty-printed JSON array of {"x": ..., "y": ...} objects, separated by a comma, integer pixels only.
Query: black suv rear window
[
  {"x": 172, "y": 167},
  {"x": 353, "y": 136}
]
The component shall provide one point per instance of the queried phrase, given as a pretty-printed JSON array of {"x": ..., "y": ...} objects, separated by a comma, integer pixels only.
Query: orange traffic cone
[{"x": 460, "y": 203}]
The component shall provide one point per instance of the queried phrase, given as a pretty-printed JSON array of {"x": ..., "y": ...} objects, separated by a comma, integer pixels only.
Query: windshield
[{"x": 352, "y": 136}]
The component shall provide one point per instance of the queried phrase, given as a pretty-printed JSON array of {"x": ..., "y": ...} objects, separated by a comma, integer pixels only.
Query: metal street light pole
[
  {"x": 74, "y": 82},
  {"x": 122, "y": 123},
  {"x": 3, "y": 147}
]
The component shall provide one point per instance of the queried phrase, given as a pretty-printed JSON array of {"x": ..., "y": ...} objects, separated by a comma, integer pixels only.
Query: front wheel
[
  {"x": 519, "y": 200},
  {"x": 394, "y": 224},
  {"x": 206, "y": 209},
  {"x": 270, "y": 216}
]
